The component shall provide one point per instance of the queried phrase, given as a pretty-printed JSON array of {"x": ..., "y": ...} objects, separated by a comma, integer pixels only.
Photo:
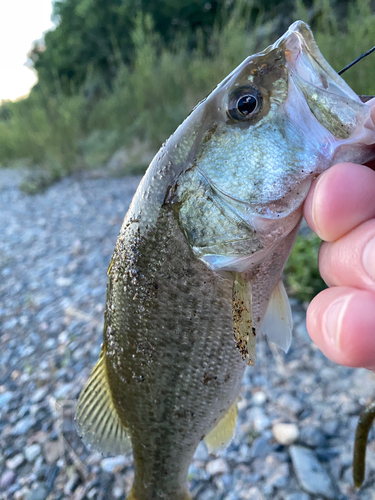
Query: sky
[{"x": 21, "y": 22}]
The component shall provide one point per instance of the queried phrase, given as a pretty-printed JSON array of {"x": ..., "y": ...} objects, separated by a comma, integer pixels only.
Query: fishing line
[{"x": 356, "y": 60}]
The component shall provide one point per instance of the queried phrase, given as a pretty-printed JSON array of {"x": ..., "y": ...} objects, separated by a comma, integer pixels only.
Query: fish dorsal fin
[
  {"x": 278, "y": 321},
  {"x": 222, "y": 434},
  {"x": 98, "y": 421}
]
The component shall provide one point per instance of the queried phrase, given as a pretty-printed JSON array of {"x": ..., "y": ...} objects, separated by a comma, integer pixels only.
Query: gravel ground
[{"x": 54, "y": 252}]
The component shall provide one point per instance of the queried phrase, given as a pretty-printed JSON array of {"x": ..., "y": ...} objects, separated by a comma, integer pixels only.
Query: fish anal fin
[
  {"x": 222, "y": 434},
  {"x": 278, "y": 321},
  {"x": 98, "y": 421}
]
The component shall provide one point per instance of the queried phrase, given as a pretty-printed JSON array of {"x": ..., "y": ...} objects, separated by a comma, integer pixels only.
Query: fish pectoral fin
[
  {"x": 98, "y": 421},
  {"x": 243, "y": 329},
  {"x": 278, "y": 321},
  {"x": 222, "y": 434}
]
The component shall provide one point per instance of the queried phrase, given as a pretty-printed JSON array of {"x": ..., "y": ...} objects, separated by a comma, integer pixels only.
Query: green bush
[{"x": 301, "y": 273}]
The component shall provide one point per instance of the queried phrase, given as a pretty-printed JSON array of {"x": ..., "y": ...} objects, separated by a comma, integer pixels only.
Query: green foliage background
[{"x": 125, "y": 73}]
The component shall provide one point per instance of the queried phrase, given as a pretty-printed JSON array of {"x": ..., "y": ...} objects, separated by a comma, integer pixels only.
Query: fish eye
[{"x": 244, "y": 103}]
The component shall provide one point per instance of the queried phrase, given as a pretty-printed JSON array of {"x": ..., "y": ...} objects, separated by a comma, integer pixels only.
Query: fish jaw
[{"x": 330, "y": 99}]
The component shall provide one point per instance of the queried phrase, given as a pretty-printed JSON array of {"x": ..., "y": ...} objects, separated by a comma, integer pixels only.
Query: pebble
[
  {"x": 259, "y": 398},
  {"x": 53, "y": 262},
  {"x": 5, "y": 397},
  {"x": 113, "y": 463},
  {"x": 260, "y": 448},
  {"x": 312, "y": 437},
  {"x": 208, "y": 494},
  {"x": 53, "y": 450},
  {"x": 311, "y": 475},
  {"x": 7, "y": 479},
  {"x": 285, "y": 434},
  {"x": 279, "y": 477},
  {"x": 118, "y": 492},
  {"x": 218, "y": 466},
  {"x": 298, "y": 496},
  {"x": 39, "y": 394},
  {"x": 40, "y": 493},
  {"x": 22, "y": 426},
  {"x": 15, "y": 462},
  {"x": 253, "y": 494},
  {"x": 290, "y": 403},
  {"x": 201, "y": 453}
]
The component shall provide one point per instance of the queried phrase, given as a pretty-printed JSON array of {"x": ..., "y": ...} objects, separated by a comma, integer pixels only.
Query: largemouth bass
[{"x": 195, "y": 276}]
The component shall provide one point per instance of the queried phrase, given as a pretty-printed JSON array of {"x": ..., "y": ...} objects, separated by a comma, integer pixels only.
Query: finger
[
  {"x": 350, "y": 261},
  {"x": 340, "y": 199},
  {"x": 341, "y": 321}
]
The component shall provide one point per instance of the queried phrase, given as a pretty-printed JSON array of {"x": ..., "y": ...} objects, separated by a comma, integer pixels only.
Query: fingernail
[
  {"x": 314, "y": 208},
  {"x": 332, "y": 321},
  {"x": 368, "y": 258}
]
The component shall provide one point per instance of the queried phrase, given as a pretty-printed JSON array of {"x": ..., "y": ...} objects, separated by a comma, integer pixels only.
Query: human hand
[{"x": 340, "y": 208}]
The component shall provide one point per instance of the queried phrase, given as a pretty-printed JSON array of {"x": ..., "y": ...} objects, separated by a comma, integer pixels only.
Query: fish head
[{"x": 279, "y": 119}]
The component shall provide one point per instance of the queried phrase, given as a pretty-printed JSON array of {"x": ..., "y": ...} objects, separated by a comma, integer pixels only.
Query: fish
[{"x": 196, "y": 273}]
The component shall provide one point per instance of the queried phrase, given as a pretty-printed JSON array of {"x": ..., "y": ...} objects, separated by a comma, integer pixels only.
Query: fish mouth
[
  {"x": 305, "y": 60},
  {"x": 330, "y": 99}
]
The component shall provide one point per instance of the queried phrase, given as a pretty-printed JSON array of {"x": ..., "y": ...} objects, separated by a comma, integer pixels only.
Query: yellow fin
[
  {"x": 222, "y": 434},
  {"x": 278, "y": 321},
  {"x": 98, "y": 421}
]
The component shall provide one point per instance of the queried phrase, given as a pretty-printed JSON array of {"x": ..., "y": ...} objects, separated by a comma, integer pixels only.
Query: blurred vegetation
[
  {"x": 117, "y": 73},
  {"x": 301, "y": 273},
  {"x": 121, "y": 75}
]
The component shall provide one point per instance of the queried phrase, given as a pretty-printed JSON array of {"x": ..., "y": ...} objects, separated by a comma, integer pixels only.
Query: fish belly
[{"x": 172, "y": 365}]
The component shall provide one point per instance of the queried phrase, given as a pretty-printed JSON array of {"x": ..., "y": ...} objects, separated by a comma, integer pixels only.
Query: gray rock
[
  {"x": 279, "y": 477},
  {"x": 201, "y": 453},
  {"x": 53, "y": 450},
  {"x": 260, "y": 448},
  {"x": 312, "y": 437},
  {"x": 22, "y": 426},
  {"x": 259, "y": 398},
  {"x": 93, "y": 493},
  {"x": 5, "y": 397},
  {"x": 311, "y": 475},
  {"x": 71, "y": 484},
  {"x": 7, "y": 479},
  {"x": 63, "y": 390},
  {"x": 290, "y": 403},
  {"x": 39, "y": 394},
  {"x": 118, "y": 492},
  {"x": 252, "y": 494},
  {"x": 40, "y": 493},
  {"x": 208, "y": 494},
  {"x": 298, "y": 496},
  {"x": 32, "y": 452},
  {"x": 15, "y": 462},
  {"x": 285, "y": 434},
  {"x": 218, "y": 466},
  {"x": 113, "y": 463}
]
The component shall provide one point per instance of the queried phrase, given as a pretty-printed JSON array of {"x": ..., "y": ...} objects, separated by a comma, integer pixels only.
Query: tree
[{"x": 93, "y": 37}]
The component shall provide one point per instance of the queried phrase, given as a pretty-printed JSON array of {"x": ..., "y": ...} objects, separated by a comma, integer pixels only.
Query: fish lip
[{"x": 305, "y": 61}]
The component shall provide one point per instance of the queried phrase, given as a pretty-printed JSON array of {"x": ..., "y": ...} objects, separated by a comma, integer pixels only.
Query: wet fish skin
[{"x": 218, "y": 208}]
